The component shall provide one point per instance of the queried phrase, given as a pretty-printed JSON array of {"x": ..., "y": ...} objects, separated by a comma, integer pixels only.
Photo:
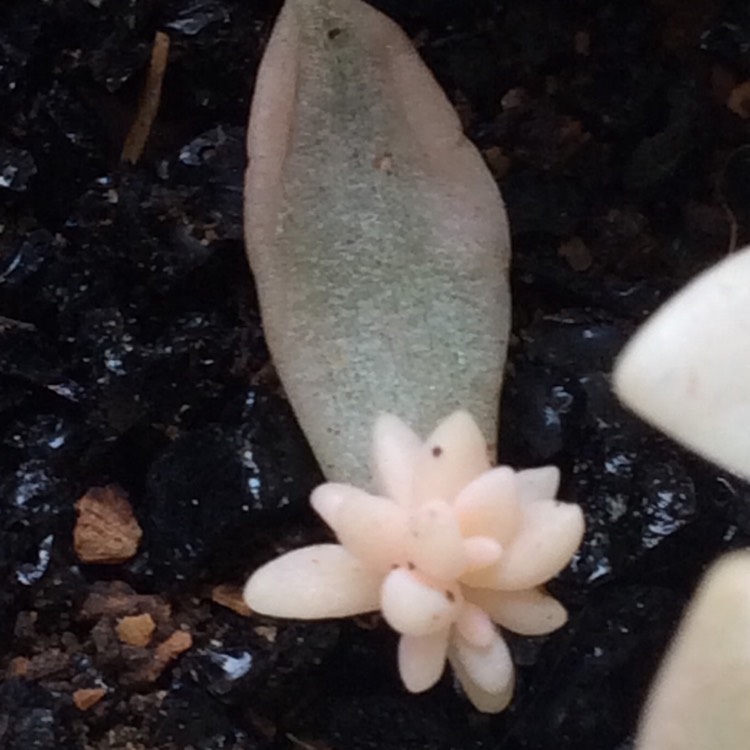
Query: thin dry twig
[
  {"x": 149, "y": 103},
  {"x": 720, "y": 193}
]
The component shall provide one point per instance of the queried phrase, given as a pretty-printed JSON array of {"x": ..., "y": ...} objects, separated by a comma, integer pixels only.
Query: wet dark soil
[{"x": 131, "y": 354}]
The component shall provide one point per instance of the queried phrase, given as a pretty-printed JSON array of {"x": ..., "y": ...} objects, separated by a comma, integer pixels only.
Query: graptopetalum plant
[
  {"x": 377, "y": 237},
  {"x": 687, "y": 371},
  {"x": 380, "y": 249}
]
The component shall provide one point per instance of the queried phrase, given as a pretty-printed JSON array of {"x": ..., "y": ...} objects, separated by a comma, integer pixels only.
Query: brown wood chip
[
  {"x": 18, "y": 667},
  {"x": 231, "y": 598},
  {"x": 739, "y": 100},
  {"x": 177, "y": 643},
  {"x": 106, "y": 530},
  {"x": 497, "y": 161},
  {"x": 117, "y": 599},
  {"x": 576, "y": 253},
  {"x": 269, "y": 632}
]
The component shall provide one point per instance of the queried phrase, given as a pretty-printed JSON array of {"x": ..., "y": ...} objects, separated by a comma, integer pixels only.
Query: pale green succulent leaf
[{"x": 376, "y": 235}]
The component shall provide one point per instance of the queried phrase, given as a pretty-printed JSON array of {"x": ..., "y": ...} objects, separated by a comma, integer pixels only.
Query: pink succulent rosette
[{"x": 450, "y": 549}]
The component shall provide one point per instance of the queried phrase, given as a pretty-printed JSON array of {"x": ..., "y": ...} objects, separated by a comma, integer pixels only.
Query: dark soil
[{"x": 131, "y": 353}]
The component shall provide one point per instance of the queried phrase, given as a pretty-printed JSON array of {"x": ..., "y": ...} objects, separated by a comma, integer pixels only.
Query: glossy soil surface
[{"x": 131, "y": 354}]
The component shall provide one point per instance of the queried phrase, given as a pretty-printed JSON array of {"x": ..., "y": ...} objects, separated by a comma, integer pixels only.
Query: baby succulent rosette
[{"x": 450, "y": 549}]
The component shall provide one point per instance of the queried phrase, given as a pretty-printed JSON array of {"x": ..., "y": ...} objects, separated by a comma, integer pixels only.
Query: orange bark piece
[
  {"x": 177, "y": 643},
  {"x": 106, "y": 531},
  {"x": 85, "y": 698},
  {"x": 136, "y": 630}
]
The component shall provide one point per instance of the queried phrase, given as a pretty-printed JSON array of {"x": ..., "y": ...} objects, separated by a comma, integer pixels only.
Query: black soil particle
[{"x": 131, "y": 353}]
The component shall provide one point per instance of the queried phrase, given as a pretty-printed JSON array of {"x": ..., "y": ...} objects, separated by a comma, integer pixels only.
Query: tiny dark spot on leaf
[
  {"x": 333, "y": 33},
  {"x": 437, "y": 451}
]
